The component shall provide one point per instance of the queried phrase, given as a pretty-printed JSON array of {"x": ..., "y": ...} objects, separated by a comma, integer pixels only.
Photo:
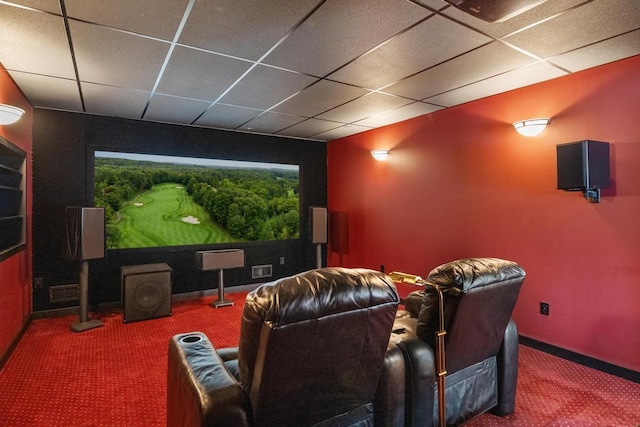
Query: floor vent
[
  {"x": 63, "y": 293},
  {"x": 260, "y": 271}
]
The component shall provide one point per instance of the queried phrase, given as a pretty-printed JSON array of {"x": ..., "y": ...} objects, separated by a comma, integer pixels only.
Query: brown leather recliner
[
  {"x": 314, "y": 350},
  {"x": 481, "y": 342}
]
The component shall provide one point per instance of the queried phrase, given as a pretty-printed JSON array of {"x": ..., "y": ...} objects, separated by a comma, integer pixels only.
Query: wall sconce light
[
  {"x": 380, "y": 155},
  {"x": 531, "y": 127},
  {"x": 9, "y": 114}
]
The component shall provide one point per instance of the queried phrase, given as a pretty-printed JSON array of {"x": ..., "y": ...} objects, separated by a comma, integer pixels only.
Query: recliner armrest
[
  {"x": 200, "y": 389},
  {"x": 507, "y": 371}
]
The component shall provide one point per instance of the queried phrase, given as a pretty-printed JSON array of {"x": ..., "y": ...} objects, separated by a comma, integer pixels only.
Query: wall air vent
[
  {"x": 495, "y": 11},
  {"x": 64, "y": 293},
  {"x": 261, "y": 271}
]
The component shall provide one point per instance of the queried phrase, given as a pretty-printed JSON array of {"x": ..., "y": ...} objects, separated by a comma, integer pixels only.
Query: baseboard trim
[{"x": 581, "y": 359}]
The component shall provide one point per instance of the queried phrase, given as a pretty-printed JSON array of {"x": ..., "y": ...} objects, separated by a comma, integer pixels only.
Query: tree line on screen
[{"x": 252, "y": 204}]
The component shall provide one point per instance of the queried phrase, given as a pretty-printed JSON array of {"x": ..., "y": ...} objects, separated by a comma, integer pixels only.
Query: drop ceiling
[{"x": 309, "y": 69}]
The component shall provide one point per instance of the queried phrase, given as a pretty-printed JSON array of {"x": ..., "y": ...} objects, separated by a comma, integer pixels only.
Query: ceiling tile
[
  {"x": 264, "y": 87},
  {"x": 484, "y": 62},
  {"x": 271, "y": 122},
  {"x": 221, "y": 25},
  {"x": 308, "y": 128},
  {"x": 226, "y": 116},
  {"x": 174, "y": 110},
  {"x": 566, "y": 32},
  {"x": 362, "y": 108},
  {"x": 340, "y": 31},
  {"x": 320, "y": 97},
  {"x": 43, "y": 50},
  {"x": 197, "y": 74},
  {"x": 399, "y": 114},
  {"x": 142, "y": 16},
  {"x": 48, "y": 92},
  {"x": 521, "y": 77},
  {"x": 52, "y": 6},
  {"x": 596, "y": 54},
  {"x": 341, "y": 132},
  {"x": 114, "y": 58},
  {"x": 114, "y": 101},
  {"x": 410, "y": 53}
]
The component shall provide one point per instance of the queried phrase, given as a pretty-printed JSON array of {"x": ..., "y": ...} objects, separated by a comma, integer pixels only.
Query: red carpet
[{"x": 116, "y": 376}]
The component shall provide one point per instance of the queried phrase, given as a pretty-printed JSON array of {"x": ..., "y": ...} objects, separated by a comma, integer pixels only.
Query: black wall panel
[{"x": 63, "y": 143}]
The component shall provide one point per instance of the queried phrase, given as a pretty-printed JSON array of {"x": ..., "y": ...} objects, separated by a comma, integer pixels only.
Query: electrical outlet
[
  {"x": 37, "y": 282},
  {"x": 544, "y": 308},
  {"x": 281, "y": 260}
]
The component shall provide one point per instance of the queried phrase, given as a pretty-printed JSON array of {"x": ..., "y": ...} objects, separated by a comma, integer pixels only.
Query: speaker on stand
[
  {"x": 85, "y": 229},
  {"x": 318, "y": 231}
]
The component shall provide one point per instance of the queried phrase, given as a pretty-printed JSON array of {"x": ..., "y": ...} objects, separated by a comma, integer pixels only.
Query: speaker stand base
[
  {"x": 85, "y": 326},
  {"x": 222, "y": 303}
]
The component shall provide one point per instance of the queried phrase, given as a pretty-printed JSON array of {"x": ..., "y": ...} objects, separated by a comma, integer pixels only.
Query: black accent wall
[{"x": 63, "y": 144}]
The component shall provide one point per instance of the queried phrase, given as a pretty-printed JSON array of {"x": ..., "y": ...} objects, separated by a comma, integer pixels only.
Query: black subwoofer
[{"x": 146, "y": 291}]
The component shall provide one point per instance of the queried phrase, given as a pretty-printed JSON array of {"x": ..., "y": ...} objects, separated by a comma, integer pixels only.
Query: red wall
[
  {"x": 15, "y": 271},
  {"x": 462, "y": 183}
]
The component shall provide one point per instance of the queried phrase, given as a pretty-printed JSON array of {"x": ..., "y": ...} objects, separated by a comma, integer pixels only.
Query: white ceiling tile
[
  {"x": 596, "y": 54},
  {"x": 309, "y": 128},
  {"x": 52, "y": 6},
  {"x": 114, "y": 101},
  {"x": 408, "y": 53},
  {"x": 226, "y": 116},
  {"x": 362, "y": 108},
  {"x": 115, "y": 58},
  {"x": 49, "y": 92},
  {"x": 521, "y": 77},
  {"x": 566, "y": 32},
  {"x": 320, "y": 97},
  {"x": 174, "y": 110},
  {"x": 265, "y": 87},
  {"x": 479, "y": 64},
  {"x": 246, "y": 29},
  {"x": 342, "y": 30},
  {"x": 198, "y": 74},
  {"x": 399, "y": 114},
  {"x": 43, "y": 50},
  {"x": 271, "y": 122},
  {"x": 139, "y": 17},
  {"x": 341, "y": 132}
]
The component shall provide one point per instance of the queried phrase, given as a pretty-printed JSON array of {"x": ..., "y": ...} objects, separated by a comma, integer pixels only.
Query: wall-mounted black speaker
[
  {"x": 146, "y": 291},
  {"x": 583, "y": 165},
  {"x": 318, "y": 223},
  {"x": 85, "y": 233}
]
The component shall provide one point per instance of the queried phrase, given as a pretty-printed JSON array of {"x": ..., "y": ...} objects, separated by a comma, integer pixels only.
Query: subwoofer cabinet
[{"x": 146, "y": 291}]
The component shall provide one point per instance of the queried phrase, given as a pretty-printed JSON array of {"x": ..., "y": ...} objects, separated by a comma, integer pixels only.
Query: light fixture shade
[
  {"x": 531, "y": 127},
  {"x": 380, "y": 154},
  {"x": 9, "y": 114}
]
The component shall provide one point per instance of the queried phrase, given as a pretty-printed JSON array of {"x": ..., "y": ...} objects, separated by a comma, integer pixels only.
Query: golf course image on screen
[{"x": 155, "y": 201}]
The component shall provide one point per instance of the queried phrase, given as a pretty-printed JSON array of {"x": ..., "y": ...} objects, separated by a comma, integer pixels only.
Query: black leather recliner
[
  {"x": 314, "y": 350},
  {"x": 481, "y": 341}
]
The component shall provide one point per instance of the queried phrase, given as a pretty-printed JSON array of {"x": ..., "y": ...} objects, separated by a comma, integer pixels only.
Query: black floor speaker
[{"x": 146, "y": 291}]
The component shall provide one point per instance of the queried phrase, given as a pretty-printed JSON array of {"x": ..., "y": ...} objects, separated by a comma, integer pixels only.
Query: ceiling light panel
[
  {"x": 340, "y": 31},
  {"x": 115, "y": 58},
  {"x": 43, "y": 50},
  {"x": 222, "y": 25},
  {"x": 142, "y": 17},
  {"x": 409, "y": 53}
]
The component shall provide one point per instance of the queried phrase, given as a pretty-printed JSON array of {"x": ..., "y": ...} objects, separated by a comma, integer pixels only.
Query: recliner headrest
[{"x": 469, "y": 273}]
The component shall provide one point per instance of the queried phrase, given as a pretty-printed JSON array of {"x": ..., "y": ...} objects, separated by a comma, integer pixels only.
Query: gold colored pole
[{"x": 440, "y": 335}]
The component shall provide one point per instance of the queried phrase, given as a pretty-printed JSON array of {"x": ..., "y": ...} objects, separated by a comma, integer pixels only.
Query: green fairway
[{"x": 167, "y": 216}]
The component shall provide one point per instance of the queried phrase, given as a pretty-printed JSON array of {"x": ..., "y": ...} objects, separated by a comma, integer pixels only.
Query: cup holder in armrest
[{"x": 191, "y": 338}]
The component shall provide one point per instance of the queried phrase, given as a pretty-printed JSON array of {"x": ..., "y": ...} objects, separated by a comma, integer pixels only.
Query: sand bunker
[
  {"x": 138, "y": 204},
  {"x": 191, "y": 219}
]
